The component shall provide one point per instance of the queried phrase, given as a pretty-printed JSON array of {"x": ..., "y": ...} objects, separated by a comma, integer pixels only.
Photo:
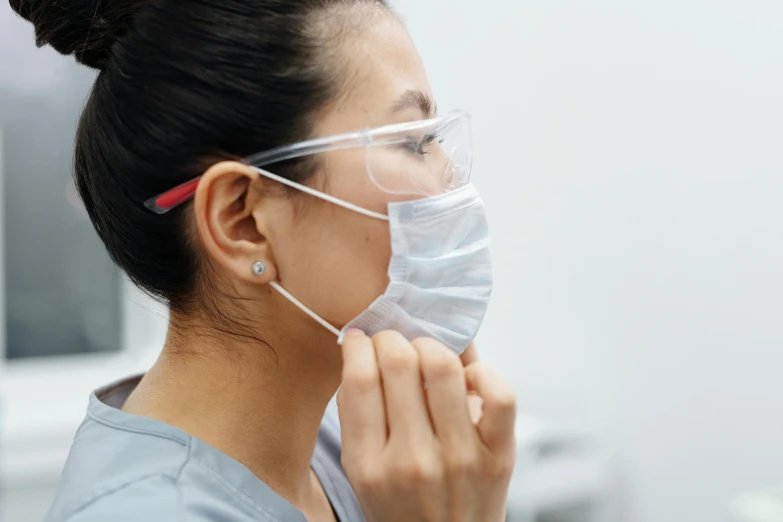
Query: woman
[{"x": 219, "y": 159}]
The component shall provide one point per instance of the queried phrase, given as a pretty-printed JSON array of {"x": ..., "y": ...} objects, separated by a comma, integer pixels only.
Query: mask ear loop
[
  {"x": 326, "y": 197},
  {"x": 296, "y": 302},
  {"x": 321, "y": 195}
]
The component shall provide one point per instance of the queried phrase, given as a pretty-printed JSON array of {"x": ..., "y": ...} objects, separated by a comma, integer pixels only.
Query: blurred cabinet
[{"x": 62, "y": 293}]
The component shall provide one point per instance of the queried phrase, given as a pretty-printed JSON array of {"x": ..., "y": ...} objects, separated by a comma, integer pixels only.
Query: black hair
[{"x": 181, "y": 85}]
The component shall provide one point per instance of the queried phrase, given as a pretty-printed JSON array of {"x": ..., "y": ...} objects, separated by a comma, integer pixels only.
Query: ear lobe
[{"x": 232, "y": 234}]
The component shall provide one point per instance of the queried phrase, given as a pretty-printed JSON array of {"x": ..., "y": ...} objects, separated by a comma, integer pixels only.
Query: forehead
[{"x": 385, "y": 79}]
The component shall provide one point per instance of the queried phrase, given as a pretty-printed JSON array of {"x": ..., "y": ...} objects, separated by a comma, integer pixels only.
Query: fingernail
[{"x": 353, "y": 331}]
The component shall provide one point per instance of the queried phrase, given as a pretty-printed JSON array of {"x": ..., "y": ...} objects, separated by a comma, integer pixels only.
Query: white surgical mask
[{"x": 440, "y": 272}]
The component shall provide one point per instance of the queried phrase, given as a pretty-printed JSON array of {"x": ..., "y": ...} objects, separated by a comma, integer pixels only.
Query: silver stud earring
[{"x": 259, "y": 267}]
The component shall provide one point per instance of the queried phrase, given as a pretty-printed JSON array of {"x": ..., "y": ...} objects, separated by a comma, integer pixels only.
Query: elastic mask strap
[
  {"x": 321, "y": 195},
  {"x": 296, "y": 302}
]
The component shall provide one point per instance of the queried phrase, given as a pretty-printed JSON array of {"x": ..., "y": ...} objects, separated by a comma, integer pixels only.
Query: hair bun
[{"x": 85, "y": 28}]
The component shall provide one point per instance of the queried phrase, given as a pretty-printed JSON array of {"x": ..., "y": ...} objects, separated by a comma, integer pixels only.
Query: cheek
[{"x": 340, "y": 261}]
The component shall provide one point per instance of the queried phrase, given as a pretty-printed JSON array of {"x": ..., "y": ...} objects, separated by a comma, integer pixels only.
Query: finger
[
  {"x": 470, "y": 355},
  {"x": 475, "y": 405},
  {"x": 447, "y": 394},
  {"x": 406, "y": 408},
  {"x": 496, "y": 426},
  {"x": 360, "y": 399}
]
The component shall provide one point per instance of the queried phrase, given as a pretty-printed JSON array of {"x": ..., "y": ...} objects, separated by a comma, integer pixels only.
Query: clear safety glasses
[{"x": 418, "y": 159}]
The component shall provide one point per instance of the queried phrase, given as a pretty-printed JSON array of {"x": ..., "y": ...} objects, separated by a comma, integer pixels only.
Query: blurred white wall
[{"x": 631, "y": 156}]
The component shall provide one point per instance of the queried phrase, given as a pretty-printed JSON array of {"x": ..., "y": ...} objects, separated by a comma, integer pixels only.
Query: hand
[
  {"x": 410, "y": 449},
  {"x": 468, "y": 357}
]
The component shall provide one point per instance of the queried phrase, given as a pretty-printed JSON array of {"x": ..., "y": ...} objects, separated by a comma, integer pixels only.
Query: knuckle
[
  {"x": 505, "y": 401},
  {"x": 359, "y": 381},
  {"x": 500, "y": 468},
  {"x": 366, "y": 483},
  {"x": 482, "y": 368},
  {"x": 418, "y": 471},
  {"x": 500, "y": 396},
  {"x": 369, "y": 481},
  {"x": 348, "y": 461},
  {"x": 441, "y": 363},
  {"x": 364, "y": 478},
  {"x": 388, "y": 337},
  {"x": 401, "y": 360},
  {"x": 464, "y": 465},
  {"x": 427, "y": 342}
]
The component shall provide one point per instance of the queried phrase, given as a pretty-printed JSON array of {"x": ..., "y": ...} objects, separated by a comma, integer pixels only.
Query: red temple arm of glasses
[{"x": 177, "y": 195}]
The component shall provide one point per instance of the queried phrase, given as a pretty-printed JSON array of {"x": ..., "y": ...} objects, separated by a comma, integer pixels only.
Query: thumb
[
  {"x": 470, "y": 355},
  {"x": 496, "y": 425}
]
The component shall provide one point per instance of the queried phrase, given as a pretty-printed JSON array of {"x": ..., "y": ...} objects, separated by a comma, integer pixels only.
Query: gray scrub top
[{"x": 125, "y": 468}]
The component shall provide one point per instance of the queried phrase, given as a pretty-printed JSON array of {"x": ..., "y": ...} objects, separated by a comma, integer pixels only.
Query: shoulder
[
  {"x": 129, "y": 465},
  {"x": 158, "y": 498},
  {"x": 193, "y": 495},
  {"x": 118, "y": 475},
  {"x": 153, "y": 497}
]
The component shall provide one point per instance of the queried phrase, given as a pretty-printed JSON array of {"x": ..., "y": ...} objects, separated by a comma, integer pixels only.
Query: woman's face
[{"x": 332, "y": 259}]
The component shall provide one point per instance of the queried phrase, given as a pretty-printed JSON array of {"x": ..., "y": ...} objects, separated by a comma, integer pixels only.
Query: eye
[{"x": 421, "y": 146}]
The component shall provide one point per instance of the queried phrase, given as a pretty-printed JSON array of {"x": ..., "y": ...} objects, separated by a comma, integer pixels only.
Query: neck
[{"x": 261, "y": 404}]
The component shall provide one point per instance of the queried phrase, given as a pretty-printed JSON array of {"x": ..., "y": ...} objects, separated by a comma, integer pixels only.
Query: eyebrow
[{"x": 417, "y": 100}]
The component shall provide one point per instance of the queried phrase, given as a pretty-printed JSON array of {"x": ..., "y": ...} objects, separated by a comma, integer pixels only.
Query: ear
[{"x": 229, "y": 225}]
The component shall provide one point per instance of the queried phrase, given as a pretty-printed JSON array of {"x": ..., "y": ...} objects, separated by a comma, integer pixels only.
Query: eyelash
[{"x": 418, "y": 146}]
